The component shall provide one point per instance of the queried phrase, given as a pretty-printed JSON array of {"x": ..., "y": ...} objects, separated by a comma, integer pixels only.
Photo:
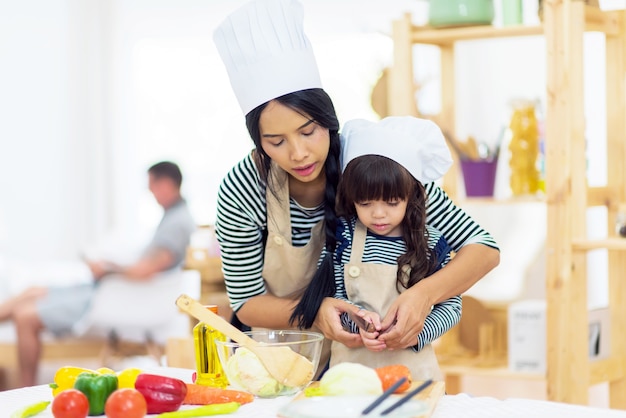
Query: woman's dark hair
[
  {"x": 374, "y": 177},
  {"x": 314, "y": 104}
]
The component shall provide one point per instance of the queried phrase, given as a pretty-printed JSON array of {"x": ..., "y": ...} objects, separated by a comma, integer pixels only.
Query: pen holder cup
[{"x": 479, "y": 177}]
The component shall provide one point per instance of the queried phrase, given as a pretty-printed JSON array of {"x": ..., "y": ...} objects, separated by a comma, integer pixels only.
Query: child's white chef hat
[
  {"x": 417, "y": 144},
  {"x": 266, "y": 52}
]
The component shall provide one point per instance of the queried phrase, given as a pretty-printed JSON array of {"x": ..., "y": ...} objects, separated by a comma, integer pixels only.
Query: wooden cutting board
[{"x": 430, "y": 395}]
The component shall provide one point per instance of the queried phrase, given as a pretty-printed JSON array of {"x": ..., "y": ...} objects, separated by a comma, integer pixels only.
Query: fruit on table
[
  {"x": 162, "y": 394},
  {"x": 65, "y": 377},
  {"x": 71, "y": 403},
  {"x": 126, "y": 403},
  {"x": 30, "y": 410},
  {"x": 97, "y": 387},
  {"x": 206, "y": 395},
  {"x": 390, "y": 374}
]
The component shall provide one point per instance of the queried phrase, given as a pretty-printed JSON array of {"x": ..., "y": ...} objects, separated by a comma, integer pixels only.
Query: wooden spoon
[{"x": 282, "y": 363}]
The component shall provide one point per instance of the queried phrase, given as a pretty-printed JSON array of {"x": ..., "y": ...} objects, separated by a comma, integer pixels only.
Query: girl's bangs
[{"x": 377, "y": 178}]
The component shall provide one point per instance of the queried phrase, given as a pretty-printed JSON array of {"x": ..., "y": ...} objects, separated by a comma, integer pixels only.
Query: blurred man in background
[{"x": 58, "y": 309}]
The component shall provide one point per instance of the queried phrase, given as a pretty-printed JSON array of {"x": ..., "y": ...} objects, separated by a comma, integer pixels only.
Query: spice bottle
[{"x": 209, "y": 371}]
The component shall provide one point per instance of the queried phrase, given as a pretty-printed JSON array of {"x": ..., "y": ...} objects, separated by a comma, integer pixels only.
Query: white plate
[{"x": 348, "y": 407}]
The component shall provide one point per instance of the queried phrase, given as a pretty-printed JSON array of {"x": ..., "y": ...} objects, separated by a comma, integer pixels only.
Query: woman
[{"x": 271, "y": 204}]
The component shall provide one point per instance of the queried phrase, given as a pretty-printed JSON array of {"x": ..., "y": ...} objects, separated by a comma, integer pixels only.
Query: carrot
[
  {"x": 389, "y": 375},
  {"x": 206, "y": 395}
]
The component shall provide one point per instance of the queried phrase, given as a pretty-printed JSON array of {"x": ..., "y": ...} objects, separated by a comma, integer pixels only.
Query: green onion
[{"x": 30, "y": 410}]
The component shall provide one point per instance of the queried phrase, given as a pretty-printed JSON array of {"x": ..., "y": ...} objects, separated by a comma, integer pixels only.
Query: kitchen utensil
[
  {"x": 245, "y": 372},
  {"x": 352, "y": 405},
  {"x": 284, "y": 364},
  {"x": 384, "y": 396},
  {"x": 361, "y": 322},
  {"x": 407, "y": 397}
]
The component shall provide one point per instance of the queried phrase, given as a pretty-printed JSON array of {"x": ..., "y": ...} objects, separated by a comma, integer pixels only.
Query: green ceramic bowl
[{"x": 446, "y": 13}]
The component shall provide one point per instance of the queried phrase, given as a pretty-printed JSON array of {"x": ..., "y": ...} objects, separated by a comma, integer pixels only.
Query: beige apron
[
  {"x": 373, "y": 286},
  {"x": 287, "y": 270}
]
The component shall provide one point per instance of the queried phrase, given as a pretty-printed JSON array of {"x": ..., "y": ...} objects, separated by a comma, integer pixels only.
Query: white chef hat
[
  {"x": 417, "y": 144},
  {"x": 266, "y": 52}
]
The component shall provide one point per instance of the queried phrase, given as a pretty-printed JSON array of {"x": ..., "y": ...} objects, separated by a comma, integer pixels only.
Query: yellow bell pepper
[
  {"x": 105, "y": 370},
  {"x": 127, "y": 377},
  {"x": 65, "y": 377}
]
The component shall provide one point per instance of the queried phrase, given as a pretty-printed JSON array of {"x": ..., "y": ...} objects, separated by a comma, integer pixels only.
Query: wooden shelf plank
[
  {"x": 596, "y": 20},
  {"x": 421, "y": 35},
  {"x": 618, "y": 244}
]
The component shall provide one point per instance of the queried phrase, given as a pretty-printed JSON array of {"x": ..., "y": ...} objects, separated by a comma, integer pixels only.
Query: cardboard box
[{"x": 527, "y": 336}]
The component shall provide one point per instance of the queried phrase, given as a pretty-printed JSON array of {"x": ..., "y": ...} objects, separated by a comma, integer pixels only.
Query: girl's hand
[
  {"x": 369, "y": 335},
  {"x": 329, "y": 323},
  {"x": 405, "y": 319}
]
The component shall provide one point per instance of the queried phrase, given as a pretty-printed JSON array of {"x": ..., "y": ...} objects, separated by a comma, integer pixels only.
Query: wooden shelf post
[{"x": 566, "y": 286}]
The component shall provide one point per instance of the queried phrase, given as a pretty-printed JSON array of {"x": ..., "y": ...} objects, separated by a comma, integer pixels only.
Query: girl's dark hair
[
  {"x": 314, "y": 104},
  {"x": 374, "y": 177}
]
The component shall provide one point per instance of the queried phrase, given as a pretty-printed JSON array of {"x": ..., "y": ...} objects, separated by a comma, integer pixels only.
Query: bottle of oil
[{"x": 209, "y": 371}]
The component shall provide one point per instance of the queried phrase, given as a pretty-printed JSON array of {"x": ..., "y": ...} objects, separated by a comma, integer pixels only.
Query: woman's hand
[
  {"x": 405, "y": 319},
  {"x": 329, "y": 323}
]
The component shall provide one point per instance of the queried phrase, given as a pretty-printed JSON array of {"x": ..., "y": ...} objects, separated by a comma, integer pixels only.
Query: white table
[{"x": 448, "y": 407}]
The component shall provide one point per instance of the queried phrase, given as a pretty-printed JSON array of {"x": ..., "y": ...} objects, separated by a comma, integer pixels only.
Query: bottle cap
[{"x": 212, "y": 308}]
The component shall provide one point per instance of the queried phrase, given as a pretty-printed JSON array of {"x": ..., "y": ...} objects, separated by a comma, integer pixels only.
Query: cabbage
[
  {"x": 347, "y": 379},
  {"x": 246, "y": 372}
]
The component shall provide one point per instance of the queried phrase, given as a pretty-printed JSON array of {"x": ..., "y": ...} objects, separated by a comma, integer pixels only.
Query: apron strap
[
  {"x": 358, "y": 242},
  {"x": 278, "y": 210}
]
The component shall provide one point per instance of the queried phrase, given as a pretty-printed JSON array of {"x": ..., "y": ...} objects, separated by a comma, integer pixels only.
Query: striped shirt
[
  {"x": 241, "y": 225},
  {"x": 386, "y": 250}
]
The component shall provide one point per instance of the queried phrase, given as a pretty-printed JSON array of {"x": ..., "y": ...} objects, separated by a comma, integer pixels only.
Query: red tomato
[
  {"x": 126, "y": 403},
  {"x": 70, "y": 403}
]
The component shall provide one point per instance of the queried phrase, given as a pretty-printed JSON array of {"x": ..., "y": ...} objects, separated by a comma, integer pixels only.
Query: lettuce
[{"x": 347, "y": 379}]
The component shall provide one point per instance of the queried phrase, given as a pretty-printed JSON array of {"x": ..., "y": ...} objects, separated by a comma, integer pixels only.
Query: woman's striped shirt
[{"x": 241, "y": 225}]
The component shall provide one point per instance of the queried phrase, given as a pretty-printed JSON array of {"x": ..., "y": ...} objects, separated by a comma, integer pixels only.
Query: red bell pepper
[{"x": 162, "y": 393}]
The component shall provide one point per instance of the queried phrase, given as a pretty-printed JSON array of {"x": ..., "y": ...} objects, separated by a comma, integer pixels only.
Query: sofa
[{"x": 135, "y": 316}]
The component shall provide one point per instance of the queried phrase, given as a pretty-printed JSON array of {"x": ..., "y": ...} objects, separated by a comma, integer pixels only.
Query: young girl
[{"x": 381, "y": 202}]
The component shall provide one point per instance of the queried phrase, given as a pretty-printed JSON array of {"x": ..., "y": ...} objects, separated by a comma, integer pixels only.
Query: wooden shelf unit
[{"x": 570, "y": 372}]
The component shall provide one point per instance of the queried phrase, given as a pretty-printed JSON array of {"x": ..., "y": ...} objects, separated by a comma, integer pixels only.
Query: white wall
[{"x": 94, "y": 91}]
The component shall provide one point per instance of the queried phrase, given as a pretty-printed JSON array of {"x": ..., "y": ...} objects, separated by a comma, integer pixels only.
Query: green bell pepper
[{"x": 97, "y": 388}]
